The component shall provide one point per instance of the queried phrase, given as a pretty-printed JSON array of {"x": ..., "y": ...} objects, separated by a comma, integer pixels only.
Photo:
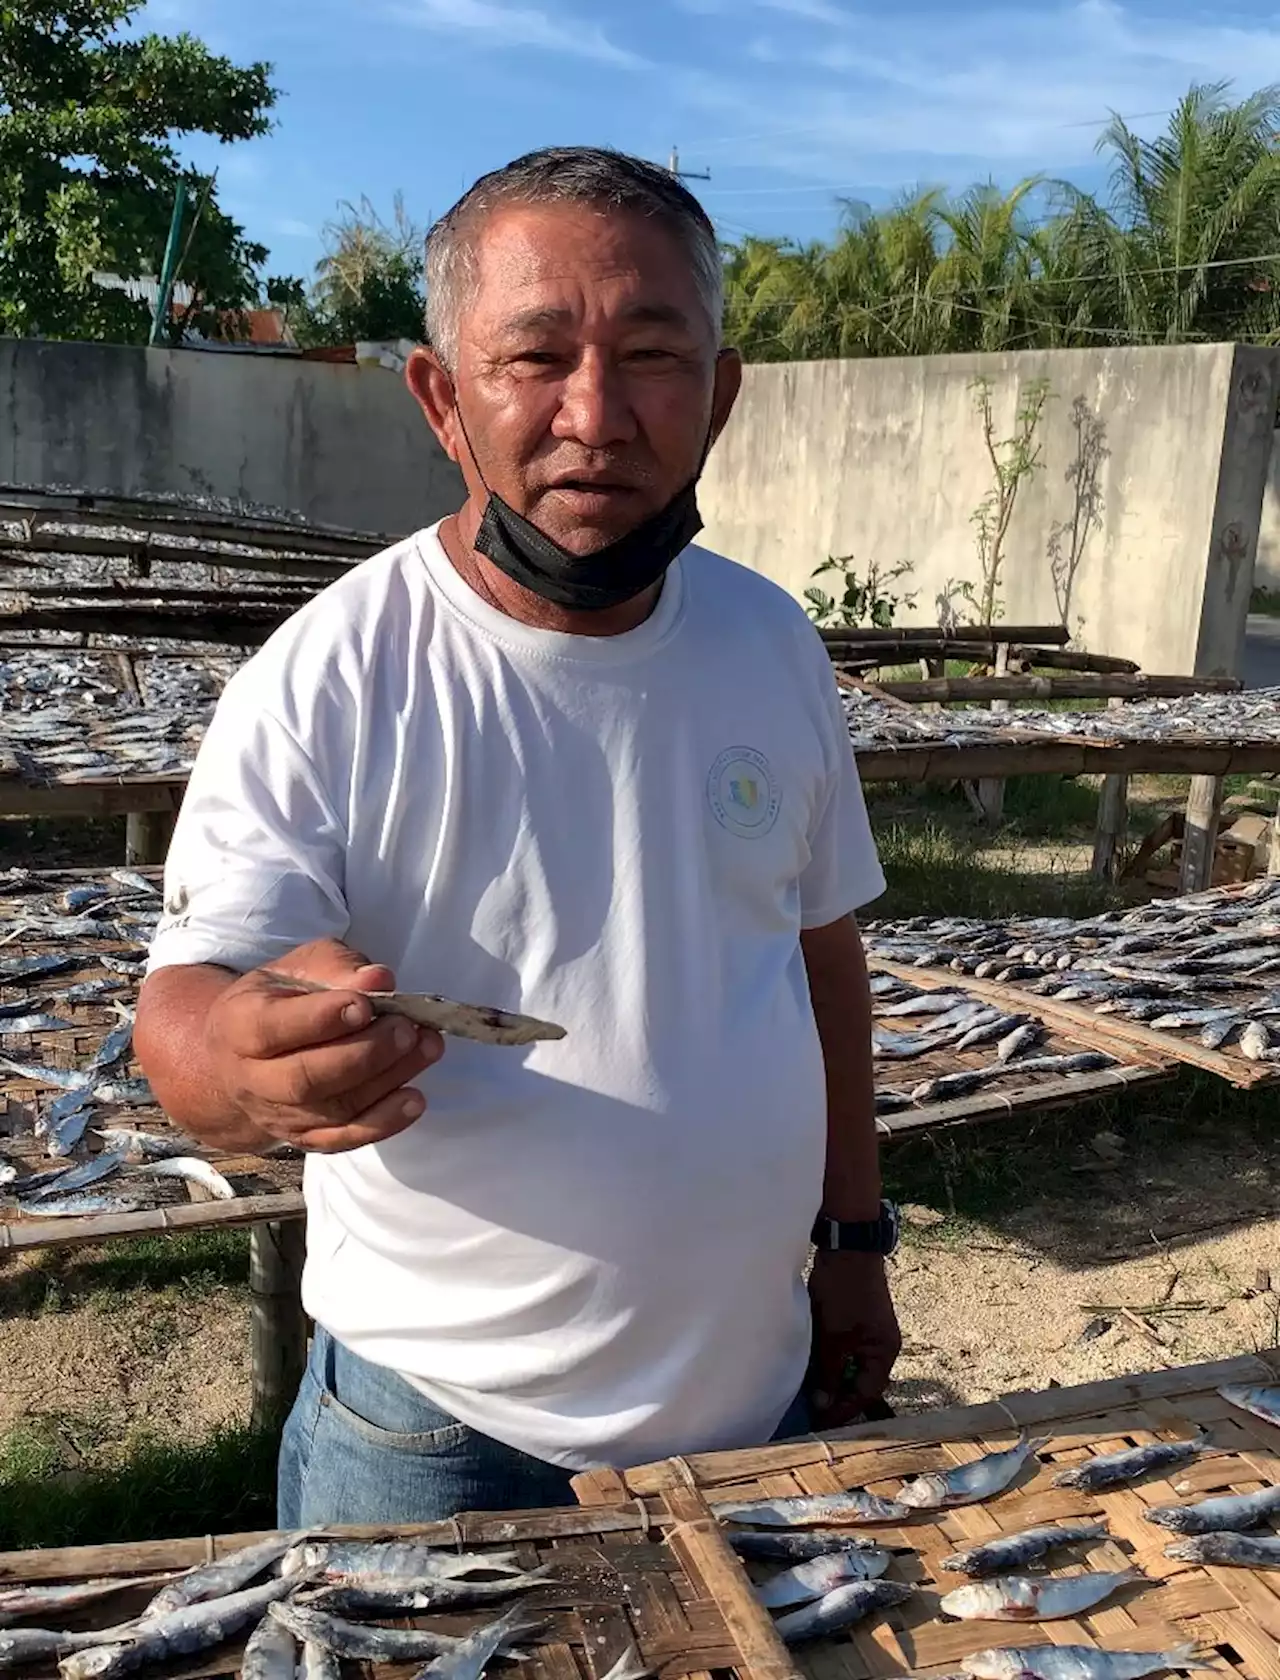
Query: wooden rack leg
[
  {"x": 1273, "y": 855},
  {"x": 279, "y": 1325},
  {"x": 1204, "y": 806},
  {"x": 1113, "y": 822},
  {"x": 147, "y": 836},
  {"x": 991, "y": 788}
]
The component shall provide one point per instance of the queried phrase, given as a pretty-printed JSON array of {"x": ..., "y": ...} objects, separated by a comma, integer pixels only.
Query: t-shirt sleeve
[
  {"x": 257, "y": 862},
  {"x": 844, "y": 870}
]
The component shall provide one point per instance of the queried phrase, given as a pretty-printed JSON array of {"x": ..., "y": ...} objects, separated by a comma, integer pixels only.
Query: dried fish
[
  {"x": 821, "y": 1575},
  {"x": 376, "y": 1595},
  {"x": 270, "y": 1653},
  {"x": 1211, "y": 1516},
  {"x": 19, "y": 1602},
  {"x": 1255, "y": 1041},
  {"x": 1075, "y": 1662},
  {"x": 1228, "y": 1550},
  {"x": 224, "y": 1576},
  {"x": 195, "y": 1627},
  {"x": 35, "y": 1024},
  {"x": 70, "y": 1179},
  {"x": 1112, "y": 1469},
  {"x": 961, "y": 1084},
  {"x": 1020, "y": 1039},
  {"x": 402, "y": 1560},
  {"x": 461, "y": 1020},
  {"x": 797, "y": 1545},
  {"x": 468, "y": 1658},
  {"x": 996, "y": 1557},
  {"x": 194, "y": 1170},
  {"x": 806, "y": 1510},
  {"x": 351, "y": 1640},
  {"x": 31, "y": 1645},
  {"x": 1263, "y": 1402},
  {"x": 88, "y": 991},
  {"x": 840, "y": 1609},
  {"x": 967, "y": 1484},
  {"x": 1022, "y": 1598},
  {"x": 79, "y": 1206},
  {"x": 36, "y": 968},
  {"x": 927, "y": 1003},
  {"x": 147, "y": 1144}
]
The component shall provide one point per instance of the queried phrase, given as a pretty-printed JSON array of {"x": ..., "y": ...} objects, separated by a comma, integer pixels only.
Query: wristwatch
[{"x": 859, "y": 1236}]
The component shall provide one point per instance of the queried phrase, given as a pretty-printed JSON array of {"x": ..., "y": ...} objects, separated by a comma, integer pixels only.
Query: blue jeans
[{"x": 361, "y": 1445}]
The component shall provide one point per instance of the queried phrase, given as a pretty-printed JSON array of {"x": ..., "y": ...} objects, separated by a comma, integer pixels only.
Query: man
[{"x": 549, "y": 757}]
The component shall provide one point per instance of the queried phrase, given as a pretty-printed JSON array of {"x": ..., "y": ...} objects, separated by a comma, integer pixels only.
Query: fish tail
[
  {"x": 1034, "y": 1443},
  {"x": 1184, "y": 1656}
]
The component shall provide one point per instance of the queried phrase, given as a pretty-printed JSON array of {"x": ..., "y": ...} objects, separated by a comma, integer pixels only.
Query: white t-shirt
[{"x": 592, "y": 1249}]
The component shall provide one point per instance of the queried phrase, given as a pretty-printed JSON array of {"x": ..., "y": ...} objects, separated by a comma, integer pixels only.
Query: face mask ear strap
[{"x": 471, "y": 448}]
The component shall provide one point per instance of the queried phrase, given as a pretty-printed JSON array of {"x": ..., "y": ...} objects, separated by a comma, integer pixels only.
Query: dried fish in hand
[
  {"x": 796, "y": 1544},
  {"x": 1075, "y": 1662},
  {"x": 1112, "y": 1469},
  {"x": 806, "y": 1510},
  {"x": 969, "y": 1483},
  {"x": 997, "y": 1557},
  {"x": 460, "y": 1020},
  {"x": 820, "y": 1576},
  {"x": 1263, "y": 1402},
  {"x": 1210, "y": 1516},
  {"x": 1046, "y": 1598},
  {"x": 1228, "y": 1550},
  {"x": 840, "y": 1609}
]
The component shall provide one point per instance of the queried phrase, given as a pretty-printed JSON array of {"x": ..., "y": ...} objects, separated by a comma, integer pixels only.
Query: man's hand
[
  {"x": 318, "y": 1069},
  {"x": 855, "y": 1337}
]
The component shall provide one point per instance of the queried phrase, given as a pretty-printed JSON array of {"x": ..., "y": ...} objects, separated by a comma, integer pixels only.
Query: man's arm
[
  {"x": 244, "y": 1063},
  {"x": 853, "y": 1315}
]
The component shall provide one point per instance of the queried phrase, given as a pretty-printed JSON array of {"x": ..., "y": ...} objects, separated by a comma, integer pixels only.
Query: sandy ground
[
  {"x": 981, "y": 1315},
  {"x": 148, "y": 1361}
]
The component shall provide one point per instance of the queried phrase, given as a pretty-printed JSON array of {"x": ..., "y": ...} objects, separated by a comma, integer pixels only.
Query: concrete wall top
[
  {"x": 339, "y": 444},
  {"x": 885, "y": 458}
]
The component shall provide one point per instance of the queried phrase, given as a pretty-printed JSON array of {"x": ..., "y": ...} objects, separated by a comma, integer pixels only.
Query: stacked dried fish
[
  {"x": 1250, "y": 718},
  {"x": 912, "y": 1022},
  {"x": 1207, "y": 965}
]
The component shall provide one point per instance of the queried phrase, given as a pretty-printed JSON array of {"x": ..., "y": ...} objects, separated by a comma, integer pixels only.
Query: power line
[{"x": 685, "y": 174}]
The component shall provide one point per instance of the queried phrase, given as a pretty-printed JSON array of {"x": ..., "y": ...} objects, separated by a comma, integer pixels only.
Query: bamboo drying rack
[
  {"x": 1234, "y": 1613},
  {"x": 657, "y": 1574}
]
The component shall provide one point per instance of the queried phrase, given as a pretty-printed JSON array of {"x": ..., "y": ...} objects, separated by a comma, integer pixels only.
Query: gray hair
[{"x": 565, "y": 175}]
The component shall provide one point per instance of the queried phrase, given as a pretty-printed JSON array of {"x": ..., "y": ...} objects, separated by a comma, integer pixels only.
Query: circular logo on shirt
[{"x": 744, "y": 793}]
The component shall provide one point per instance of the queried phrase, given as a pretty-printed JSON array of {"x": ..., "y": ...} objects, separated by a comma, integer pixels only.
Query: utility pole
[{"x": 685, "y": 174}]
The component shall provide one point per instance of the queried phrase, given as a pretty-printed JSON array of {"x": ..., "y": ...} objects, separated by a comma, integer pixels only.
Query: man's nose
[{"x": 595, "y": 409}]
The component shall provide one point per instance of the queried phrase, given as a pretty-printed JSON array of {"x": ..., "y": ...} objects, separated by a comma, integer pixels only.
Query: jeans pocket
[{"x": 451, "y": 1437}]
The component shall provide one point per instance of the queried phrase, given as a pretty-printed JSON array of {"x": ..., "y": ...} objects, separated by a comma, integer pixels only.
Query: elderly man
[{"x": 545, "y": 756}]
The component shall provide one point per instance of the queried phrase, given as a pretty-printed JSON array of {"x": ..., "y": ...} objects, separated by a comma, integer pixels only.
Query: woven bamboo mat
[
  {"x": 654, "y": 1575},
  {"x": 1234, "y": 1614}
]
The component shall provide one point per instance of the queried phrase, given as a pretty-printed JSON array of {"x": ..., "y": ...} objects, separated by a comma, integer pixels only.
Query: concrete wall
[
  {"x": 338, "y": 444},
  {"x": 1267, "y": 571},
  {"x": 1150, "y": 495}
]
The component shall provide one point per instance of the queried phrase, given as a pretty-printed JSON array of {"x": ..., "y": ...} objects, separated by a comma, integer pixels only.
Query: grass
[
  {"x": 1266, "y": 601},
  {"x": 144, "y": 1487},
  {"x": 186, "y": 1265},
  {"x": 930, "y": 869},
  {"x": 81, "y": 843}
]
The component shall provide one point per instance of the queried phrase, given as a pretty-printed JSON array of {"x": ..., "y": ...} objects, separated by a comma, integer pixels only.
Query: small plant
[
  {"x": 1013, "y": 460},
  {"x": 1069, "y": 538},
  {"x": 863, "y": 600},
  {"x": 953, "y": 590}
]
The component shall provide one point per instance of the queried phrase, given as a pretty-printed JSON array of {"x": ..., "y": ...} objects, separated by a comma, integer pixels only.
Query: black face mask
[{"x": 587, "y": 582}]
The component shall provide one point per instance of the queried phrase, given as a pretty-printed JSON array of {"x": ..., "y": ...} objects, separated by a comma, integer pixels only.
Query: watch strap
[{"x": 858, "y": 1236}]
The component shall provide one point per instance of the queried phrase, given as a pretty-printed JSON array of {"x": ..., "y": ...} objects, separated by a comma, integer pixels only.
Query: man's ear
[
  {"x": 728, "y": 385},
  {"x": 432, "y": 387}
]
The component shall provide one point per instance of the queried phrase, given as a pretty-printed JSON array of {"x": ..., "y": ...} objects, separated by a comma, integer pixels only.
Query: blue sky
[{"x": 789, "y": 103}]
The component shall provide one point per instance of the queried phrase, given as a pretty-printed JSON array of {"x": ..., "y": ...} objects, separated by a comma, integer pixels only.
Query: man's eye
[
  {"x": 538, "y": 358},
  {"x": 651, "y": 354}
]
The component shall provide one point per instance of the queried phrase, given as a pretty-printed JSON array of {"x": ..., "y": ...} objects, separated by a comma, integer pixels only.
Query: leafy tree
[
  {"x": 1185, "y": 249},
  {"x": 368, "y": 284},
  {"x": 88, "y": 167}
]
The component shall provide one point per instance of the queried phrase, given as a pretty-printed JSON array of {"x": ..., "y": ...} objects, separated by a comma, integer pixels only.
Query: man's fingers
[
  {"x": 331, "y": 963},
  {"x": 349, "y": 1074},
  {"x": 384, "y": 1119},
  {"x": 260, "y": 1022}
]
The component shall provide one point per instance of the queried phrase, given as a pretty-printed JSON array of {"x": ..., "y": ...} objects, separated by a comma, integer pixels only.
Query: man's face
[{"x": 586, "y": 371}]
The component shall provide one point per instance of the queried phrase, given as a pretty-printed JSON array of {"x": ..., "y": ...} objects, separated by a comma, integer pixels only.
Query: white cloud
[
  {"x": 518, "y": 26},
  {"x": 882, "y": 97},
  {"x": 289, "y": 227}
]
